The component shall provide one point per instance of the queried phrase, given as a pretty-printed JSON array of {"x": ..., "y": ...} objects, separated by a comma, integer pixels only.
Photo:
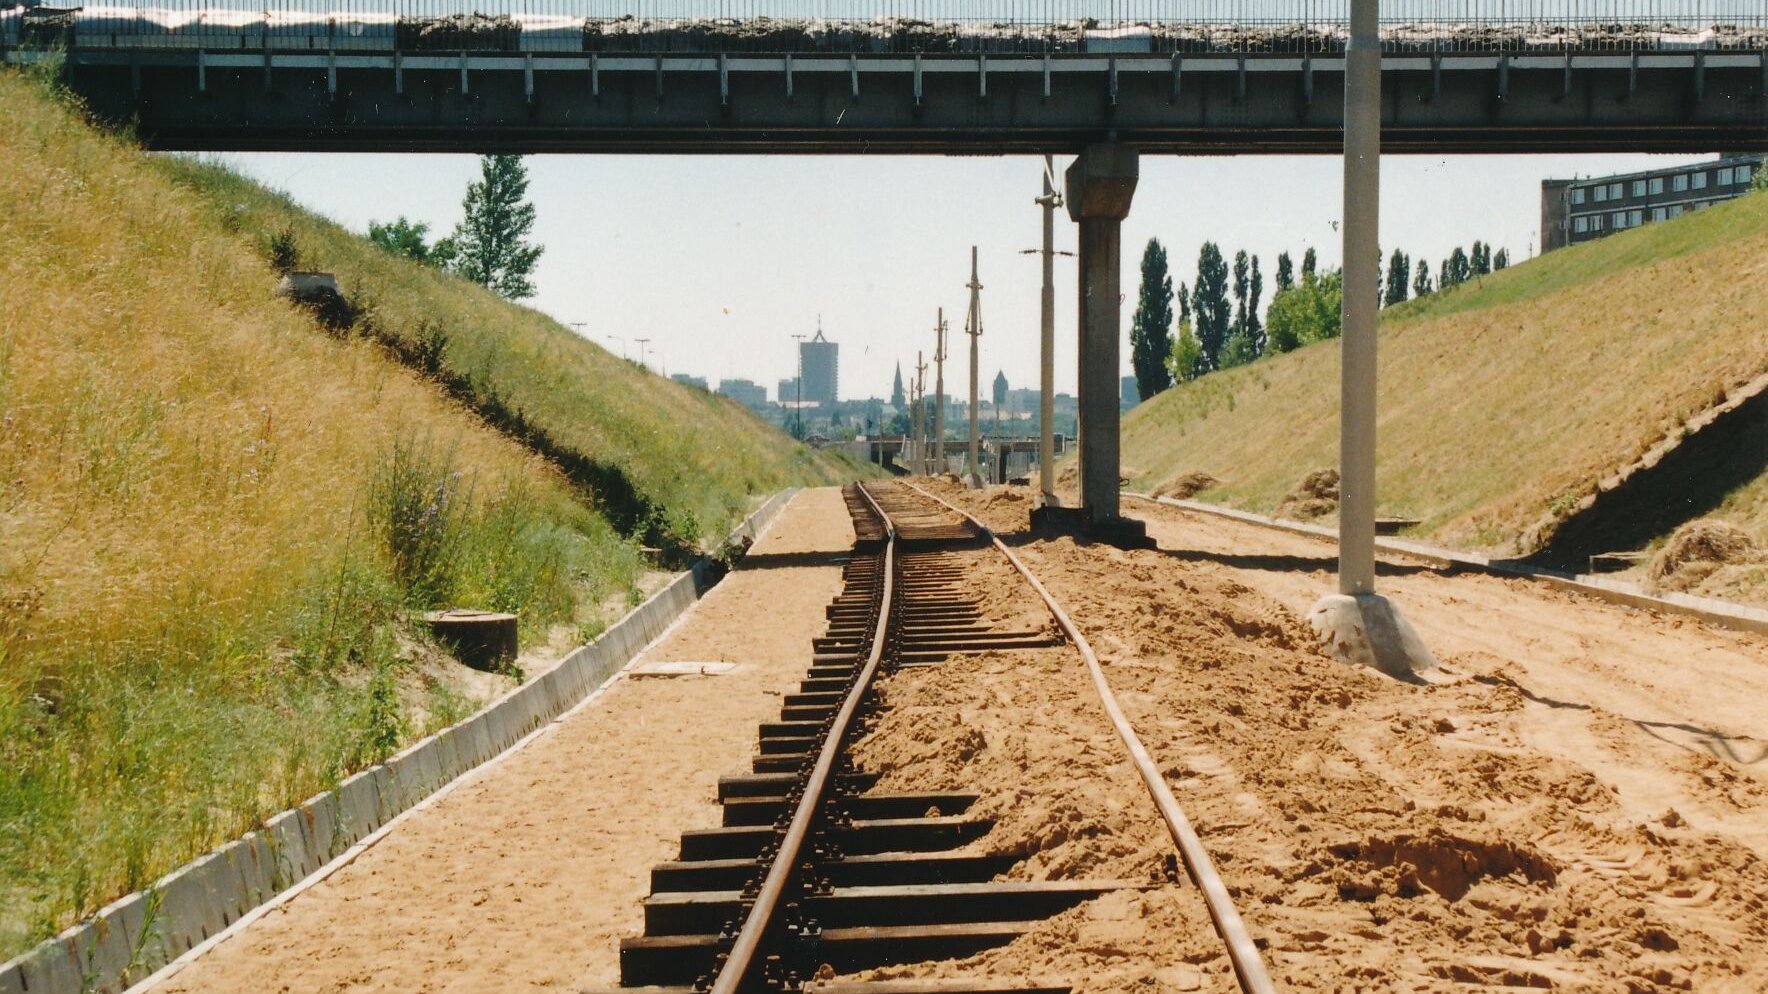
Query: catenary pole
[
  {"x": 973, "y": 328},
  {"x": 1362, "y": 209},
  {"x": 939, "y": 395}
]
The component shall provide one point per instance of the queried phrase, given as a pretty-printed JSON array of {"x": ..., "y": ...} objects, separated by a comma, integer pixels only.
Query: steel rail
[
  {"x": 740, "y": 959},
  {"x": 1249, "y": 967}
]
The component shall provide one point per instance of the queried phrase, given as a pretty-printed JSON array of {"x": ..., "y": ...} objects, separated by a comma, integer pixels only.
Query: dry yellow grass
[
  {"x": 203, "y": 616},
  {"x": 1499, "y": 400},
  {"x": 171, "y": 435}
]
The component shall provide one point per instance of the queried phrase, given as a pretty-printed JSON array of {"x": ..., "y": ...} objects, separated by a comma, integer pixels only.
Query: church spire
[{"x": 896, "y": 398}]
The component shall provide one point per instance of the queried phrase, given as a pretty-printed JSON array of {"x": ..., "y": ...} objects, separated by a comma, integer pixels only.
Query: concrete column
[
  {"x": 1362, "y": 240},
  {"x": 1099, "y": 187}
]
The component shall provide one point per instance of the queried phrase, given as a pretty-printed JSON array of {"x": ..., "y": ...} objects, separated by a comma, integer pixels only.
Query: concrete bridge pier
[{"x": 1099, "y": 186}]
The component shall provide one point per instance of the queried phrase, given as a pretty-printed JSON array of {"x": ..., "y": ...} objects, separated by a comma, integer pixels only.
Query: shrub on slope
[{"x": 1503, "y": 400}]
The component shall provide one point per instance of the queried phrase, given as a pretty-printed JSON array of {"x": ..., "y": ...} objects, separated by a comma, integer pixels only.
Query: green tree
[
  {"x": 1255, "y": 325},
  {"x": 1501, "y": 260},
  {"x": 1210, "y": 311},
  {"x": 1285, "y": 273},
  {"x": 1760, "y": 182},
  {"x": 1421, "y": 285},
  {"x": 1308, "y": 264},
  {"x": 1481, "y": 260},
  {"x": 489, "y": 246},
  {"x": 1456, "y": 270},
  {"x": 1306, "y": 313},
  {"x": 1151, "y": 327},
  {"x": 401, "y": 237},
  {"x": 1241, "y": 285},
  {"x": 1398, "y": 268},
  {"x": 1186, "y": 362}
]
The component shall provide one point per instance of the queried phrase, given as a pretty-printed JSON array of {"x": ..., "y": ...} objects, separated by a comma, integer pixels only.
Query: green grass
[
  {"x": 1501, "y": 400},
  {"x": 217, "y": 517},
  {"x": 700, "y": 457}
]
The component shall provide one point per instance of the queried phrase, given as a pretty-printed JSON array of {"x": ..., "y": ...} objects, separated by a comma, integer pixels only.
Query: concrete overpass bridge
[{"x": 900, "y": 76}]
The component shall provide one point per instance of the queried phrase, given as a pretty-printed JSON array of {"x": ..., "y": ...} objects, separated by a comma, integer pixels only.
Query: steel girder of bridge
[{"x": 1684, "y": 101}]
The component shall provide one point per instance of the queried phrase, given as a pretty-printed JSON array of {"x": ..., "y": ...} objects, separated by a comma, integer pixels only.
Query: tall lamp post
[{"x": 642, "y": 342}]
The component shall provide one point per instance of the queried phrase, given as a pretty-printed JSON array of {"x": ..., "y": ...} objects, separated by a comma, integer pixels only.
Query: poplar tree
[
  {"x": 1308, "y": 264},
  {"x": 1421, "y": 280},
  {"x": 1151, "y": 328},
  {"x": 489, "y": 245},
  {"x": 1255, "y": 326},
  {"x": 1501, "y": 260},
  {"x": 1398, "y": 268},
  {"x": 1285, "y": 273},
  {"x": 1241, "y": 285},
  {"x": 1210, "y": 311}
]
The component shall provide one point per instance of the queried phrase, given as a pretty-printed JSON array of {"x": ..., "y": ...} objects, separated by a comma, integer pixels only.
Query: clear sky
[{"x": 719, "y": 260}]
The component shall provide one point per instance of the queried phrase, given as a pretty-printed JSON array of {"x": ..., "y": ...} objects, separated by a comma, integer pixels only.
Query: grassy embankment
[
  {"x": 1504, "y": 401},
  {"x": 217, "y": 517}
]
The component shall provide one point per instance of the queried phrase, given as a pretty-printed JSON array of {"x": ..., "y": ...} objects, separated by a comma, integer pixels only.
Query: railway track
[{"x": 813, "y": 864}]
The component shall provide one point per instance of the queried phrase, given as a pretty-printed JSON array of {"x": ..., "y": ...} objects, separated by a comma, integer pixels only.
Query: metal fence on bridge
[{"x": 883, "y": 26}]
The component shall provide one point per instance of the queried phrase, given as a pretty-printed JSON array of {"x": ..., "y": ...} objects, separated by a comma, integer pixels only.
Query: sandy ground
[
  {"x": 1576, "y": 803},
  {"x": 526, "y": 878}
]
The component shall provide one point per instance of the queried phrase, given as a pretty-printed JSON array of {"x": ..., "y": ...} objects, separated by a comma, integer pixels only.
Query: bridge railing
[{"x": 931, "y": 27}]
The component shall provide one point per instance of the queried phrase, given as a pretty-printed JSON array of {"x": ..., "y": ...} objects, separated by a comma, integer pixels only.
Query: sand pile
[
  {"x": 1186, "y": 486},
  {"x": 1699, "y": 551},
  {"x": 1376, "y": 836},
  {"x": 1316, "y": 496}
]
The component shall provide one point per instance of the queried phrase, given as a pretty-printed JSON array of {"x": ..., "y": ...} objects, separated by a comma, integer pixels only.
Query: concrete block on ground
[
  {"x": 90, "y": 957},
  {"x": 386, "y": 795},
  {"x": 358, "y": 811},
  {"x": 56, "y": 966},
  {"x": 190, "y": 903},
  {"x": 12, "y": 980},
  {"x": 473, "y": 744},
  {"x": 448, "y": 762},
  {"x": 286, "y": 841},
  {"x": 130, "y": 915},
  {"x": 251, "y": 859},
  {"x": 319, "y": 824},
  {"x": 415, "y": 774},
  {"x": 1369, "y": 630}
]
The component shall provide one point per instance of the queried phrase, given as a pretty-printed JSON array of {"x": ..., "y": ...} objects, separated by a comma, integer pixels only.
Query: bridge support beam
[{"x": 1099, "y": 187}]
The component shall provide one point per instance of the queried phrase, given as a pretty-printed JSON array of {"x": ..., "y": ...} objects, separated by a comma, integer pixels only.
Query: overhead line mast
[{"x": 973, "y": 328}]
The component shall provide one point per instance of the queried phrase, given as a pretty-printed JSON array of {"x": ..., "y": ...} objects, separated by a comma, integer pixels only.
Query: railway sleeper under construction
[{"x": 881, "y": 877}]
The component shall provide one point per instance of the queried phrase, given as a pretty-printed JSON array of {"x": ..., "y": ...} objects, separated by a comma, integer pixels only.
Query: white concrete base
[{"x": 1368, "y": 629}]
